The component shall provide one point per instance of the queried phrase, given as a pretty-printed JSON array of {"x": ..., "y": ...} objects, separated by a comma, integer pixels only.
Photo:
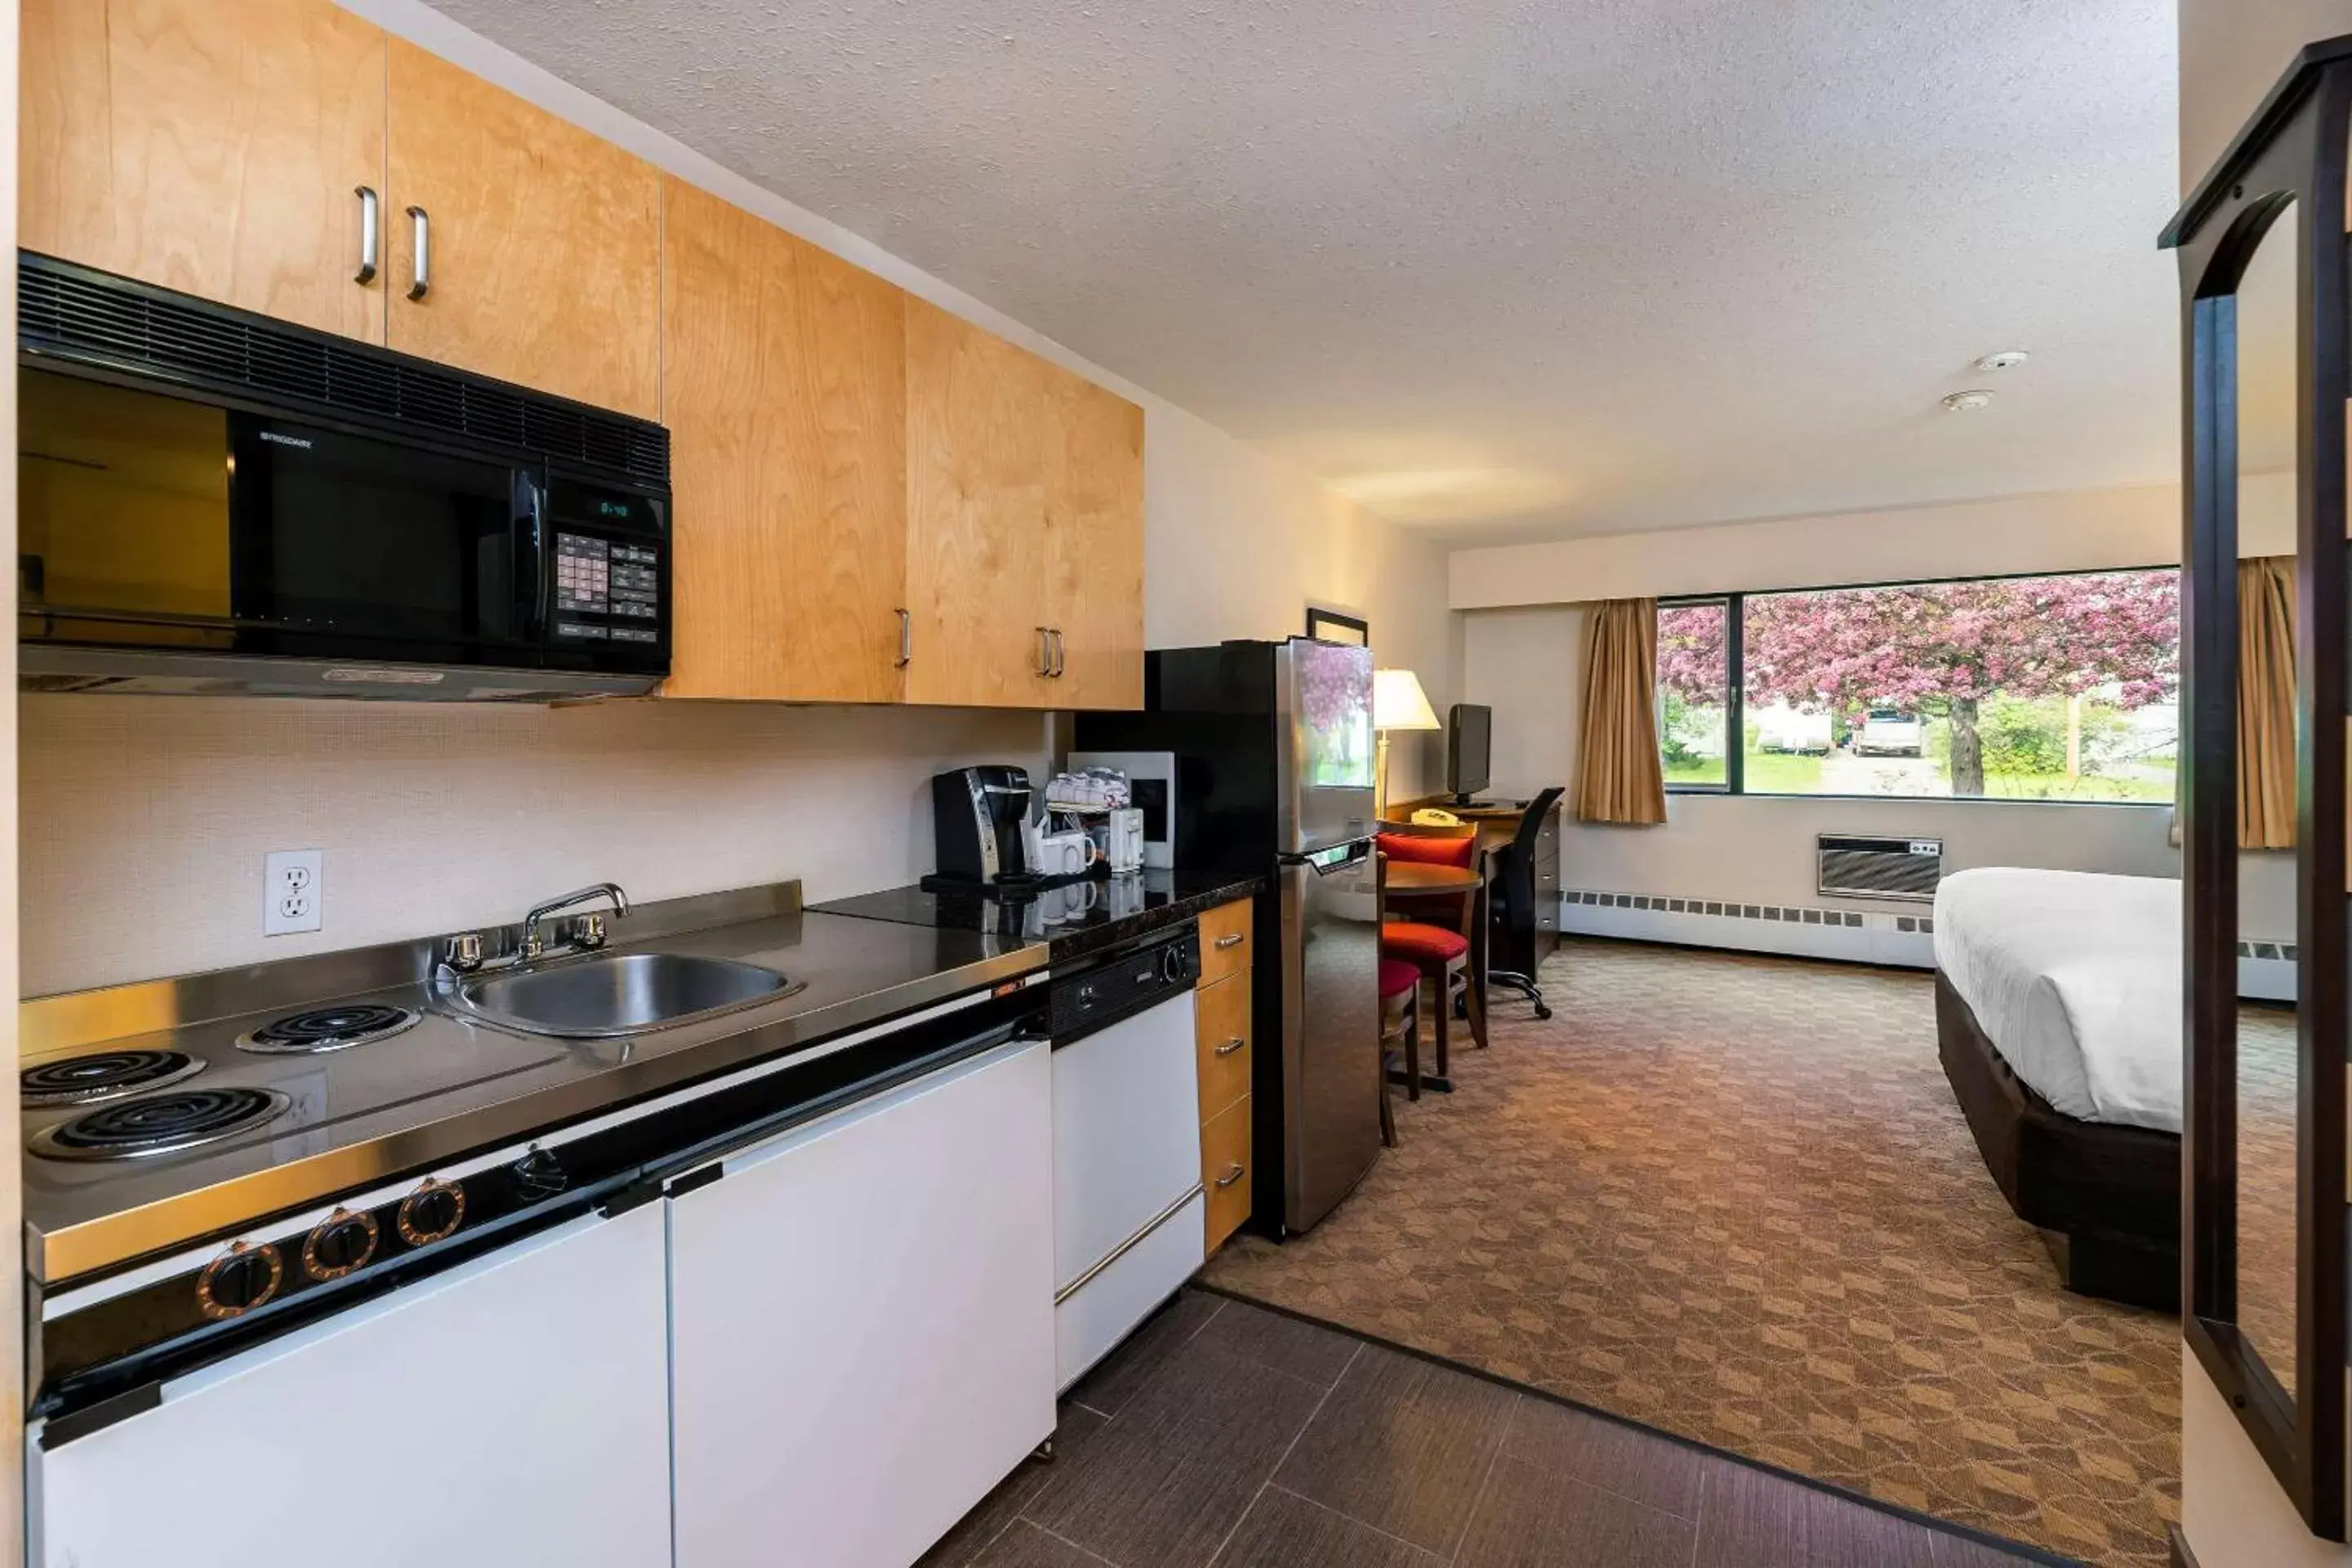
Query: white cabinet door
[
  {"x": 512, "y": 1410},
  {"x": 863, "y": 1323}
]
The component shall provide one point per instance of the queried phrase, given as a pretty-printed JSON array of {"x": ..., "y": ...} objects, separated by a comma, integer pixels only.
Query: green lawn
[
  {"x": 1768, "y": 772},
  {"x": 2150, "y": 784},
  {"x": 1773, "y": 772}
]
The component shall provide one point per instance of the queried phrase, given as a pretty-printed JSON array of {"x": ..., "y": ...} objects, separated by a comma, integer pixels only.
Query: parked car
[
  {"x": 1889, "y": 733},
  {"x": 1782, "y": 728}
]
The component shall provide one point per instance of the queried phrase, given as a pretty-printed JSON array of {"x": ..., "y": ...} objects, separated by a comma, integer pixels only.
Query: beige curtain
[
  {"x": 2266, "y": 702},
  {"x": 1617, "y": 775}
]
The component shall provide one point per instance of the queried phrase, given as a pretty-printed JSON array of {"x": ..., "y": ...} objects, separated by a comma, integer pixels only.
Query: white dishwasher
[{"x": 1130, "y": 1218}]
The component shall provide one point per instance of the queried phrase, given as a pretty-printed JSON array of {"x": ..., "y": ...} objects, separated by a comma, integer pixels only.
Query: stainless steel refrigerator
[{"x": 1273, "y": 744}]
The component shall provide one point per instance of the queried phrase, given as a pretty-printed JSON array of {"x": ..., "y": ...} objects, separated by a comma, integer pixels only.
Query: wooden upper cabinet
[
  {"x": 1025, "y": 490},
  {"x": 785, "y": 394},
  {"x": 977, "y": 554},
  {"x": 215, "y": 148},
  {"x": 543, "y": 242},
  {"x": 1094, "y": 520}
]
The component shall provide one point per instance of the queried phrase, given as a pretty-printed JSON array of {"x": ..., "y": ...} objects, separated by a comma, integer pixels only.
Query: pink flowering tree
[{"x": 1942, "y": 648}]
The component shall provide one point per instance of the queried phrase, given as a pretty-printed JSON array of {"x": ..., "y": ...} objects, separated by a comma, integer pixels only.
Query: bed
[{"x": 2058, "y": 1021}]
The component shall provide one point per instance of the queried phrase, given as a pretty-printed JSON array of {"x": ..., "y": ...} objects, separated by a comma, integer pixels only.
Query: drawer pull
[
  {"x": 1231, "y": 1176},
  {"x": 1229, "y": 1046},
  {"x": 1231, "y": 938}
]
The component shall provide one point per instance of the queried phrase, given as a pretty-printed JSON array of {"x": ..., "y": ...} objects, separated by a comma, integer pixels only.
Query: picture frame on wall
[{"x": 1330, "y": 626}]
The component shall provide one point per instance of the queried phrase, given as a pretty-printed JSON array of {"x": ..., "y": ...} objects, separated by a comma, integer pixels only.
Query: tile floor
[{"x": 1224, "y": 1434}]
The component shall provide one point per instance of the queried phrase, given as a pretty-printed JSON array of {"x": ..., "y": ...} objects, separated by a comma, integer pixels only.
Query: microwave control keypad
[
  {"x": 583, "y": 574},
  {"x": 595, "y": 577}
]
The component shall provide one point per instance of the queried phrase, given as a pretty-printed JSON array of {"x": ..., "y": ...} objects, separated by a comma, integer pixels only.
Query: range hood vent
[{"x": 91, "y": 317}]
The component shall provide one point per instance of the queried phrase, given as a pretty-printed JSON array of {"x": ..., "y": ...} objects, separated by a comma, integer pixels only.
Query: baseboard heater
[
  {"x": 1877, "y": 866},
  {"x": 2266, "y": 970}
]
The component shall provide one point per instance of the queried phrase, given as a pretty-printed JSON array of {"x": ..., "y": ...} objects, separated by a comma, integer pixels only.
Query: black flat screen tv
[{"x": 1469, "y": 738}]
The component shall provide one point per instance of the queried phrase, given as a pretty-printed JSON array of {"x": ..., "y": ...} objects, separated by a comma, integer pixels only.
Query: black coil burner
[
  {"x": 104, "y": 1075},
  {"x": 168, "y": 1123},
  {"x": 326, "y": 1029}
]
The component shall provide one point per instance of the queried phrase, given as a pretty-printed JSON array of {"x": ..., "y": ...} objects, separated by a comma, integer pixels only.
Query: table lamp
[{"x": 1398, "y": 704}]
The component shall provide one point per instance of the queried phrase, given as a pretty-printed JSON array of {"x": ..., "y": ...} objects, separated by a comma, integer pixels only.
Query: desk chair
[{"x": 1511, "y": 893}]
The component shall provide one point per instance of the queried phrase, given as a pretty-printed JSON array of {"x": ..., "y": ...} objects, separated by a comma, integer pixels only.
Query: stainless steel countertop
[{"x": 449, "y": 1087}]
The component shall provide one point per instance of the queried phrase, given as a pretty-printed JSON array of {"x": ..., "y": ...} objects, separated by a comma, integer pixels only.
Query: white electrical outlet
[{"x": 293, "y": 891}]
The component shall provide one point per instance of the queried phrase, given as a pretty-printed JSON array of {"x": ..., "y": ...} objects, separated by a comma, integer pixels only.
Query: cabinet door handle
[
  {"x": 1061, "y": 655},
  {"x": 1231, "y": 938},
  {"x": 1229, "y": 1046},
  {"x": 1044, "y": 650},
  {"x": 371, "y": 227},
  {"x": 424, "y": 231},
  {"x": 1229, "y": 1177},
  {"x": 905, "y": 641}
]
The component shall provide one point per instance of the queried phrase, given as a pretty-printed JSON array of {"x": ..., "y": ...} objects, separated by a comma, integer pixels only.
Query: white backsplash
[{"x": 144, "y": 821}]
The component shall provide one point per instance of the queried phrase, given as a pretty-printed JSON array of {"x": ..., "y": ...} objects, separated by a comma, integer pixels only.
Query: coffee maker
[{"x": 979, "y": 817}]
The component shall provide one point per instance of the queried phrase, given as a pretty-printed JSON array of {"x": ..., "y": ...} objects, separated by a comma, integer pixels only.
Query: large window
[{"x": 2015, "y": 688}]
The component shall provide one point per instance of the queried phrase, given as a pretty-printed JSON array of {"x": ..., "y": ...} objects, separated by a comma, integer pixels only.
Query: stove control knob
[
  {"x": 433, "y": 1211},
  {"x": 243, "y": 1278},
  {"x": 341, "y": 1242},
  {"x": 538, "y": 1175}
]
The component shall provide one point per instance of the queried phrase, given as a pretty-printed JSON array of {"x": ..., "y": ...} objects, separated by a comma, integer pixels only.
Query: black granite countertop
[{"x": 1072, "y": 920}]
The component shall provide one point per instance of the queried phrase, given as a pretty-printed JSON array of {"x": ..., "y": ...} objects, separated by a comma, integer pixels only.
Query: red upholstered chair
[
  {"x": 1400, "y": 1029},
  {"x": 1442, "y": 955}
]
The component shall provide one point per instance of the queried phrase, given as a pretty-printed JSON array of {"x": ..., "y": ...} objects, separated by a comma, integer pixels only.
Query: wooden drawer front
[
  {"x": 1221, "y": 1013},
  {"x": 1225, "y": 1159},
  {"x": 1225, "y": 941}
]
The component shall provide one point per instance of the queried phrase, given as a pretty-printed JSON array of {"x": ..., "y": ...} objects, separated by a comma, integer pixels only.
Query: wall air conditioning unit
[{"x": 1869, "y": 866}]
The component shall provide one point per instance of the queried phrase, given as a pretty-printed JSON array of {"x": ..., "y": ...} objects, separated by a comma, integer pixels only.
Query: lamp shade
[{"x": 1399, "y": 702}]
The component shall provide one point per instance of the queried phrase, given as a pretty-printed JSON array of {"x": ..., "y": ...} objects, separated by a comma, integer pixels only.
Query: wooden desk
[{"x": 1497, "y": 823}]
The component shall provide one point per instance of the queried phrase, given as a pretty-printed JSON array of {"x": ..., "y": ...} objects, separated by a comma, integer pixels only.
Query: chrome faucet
[{"x": 588, "y": 932}]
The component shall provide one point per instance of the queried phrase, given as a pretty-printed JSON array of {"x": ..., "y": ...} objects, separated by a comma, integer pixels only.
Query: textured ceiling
[{"x": 1510, "y": 270}]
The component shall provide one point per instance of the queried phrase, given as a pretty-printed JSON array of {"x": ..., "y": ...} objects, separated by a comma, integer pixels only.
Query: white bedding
[{"x": 2075, "y": 978}]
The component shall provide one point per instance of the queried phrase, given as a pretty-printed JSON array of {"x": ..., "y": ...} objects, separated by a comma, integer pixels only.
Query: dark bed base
[{"x": 2106, "y": 1199}]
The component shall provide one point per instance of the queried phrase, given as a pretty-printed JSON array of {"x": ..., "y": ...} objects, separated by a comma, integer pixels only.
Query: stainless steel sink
[{"x": 605, "y": 995}]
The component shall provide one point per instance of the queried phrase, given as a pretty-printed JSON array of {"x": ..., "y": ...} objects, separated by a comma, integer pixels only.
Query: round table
[{"x": 1425, "y": 879}]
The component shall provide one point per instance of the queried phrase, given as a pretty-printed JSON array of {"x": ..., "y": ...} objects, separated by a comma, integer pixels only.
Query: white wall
[
  {"x": 1238, "y": 548},
  {"x": 2233, "y": 1512},
  {"x": 146, "y": 821},
  {"x": 2075, "y": 531},
  {"x": 2231, "y": 53},
  {"x": 1529, "y": 665},
  {"x": 2231, "y": 1509},
  {"x": 1527, "y": 661}
]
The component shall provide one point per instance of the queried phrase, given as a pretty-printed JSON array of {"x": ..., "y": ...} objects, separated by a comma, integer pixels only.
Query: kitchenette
[
  {"x": 719, "y": 1217},
  {"x": 709, "y": 1225}
]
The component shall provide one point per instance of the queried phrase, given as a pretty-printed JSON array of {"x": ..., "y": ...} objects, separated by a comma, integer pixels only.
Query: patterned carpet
[{"x": 1732, "y": 1198}]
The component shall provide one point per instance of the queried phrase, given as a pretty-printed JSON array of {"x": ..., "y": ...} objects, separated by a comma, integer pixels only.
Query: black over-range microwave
[{"x": 213, "y": 501}]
